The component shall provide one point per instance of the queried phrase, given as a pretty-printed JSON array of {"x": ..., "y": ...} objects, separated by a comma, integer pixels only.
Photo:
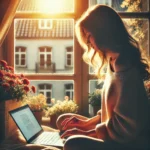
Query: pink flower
[
  {"x": 25, "y": 81},
  {"x": 3, "y": 63},
  {"x": 26, "y": 88},
  {"x": 11, "y": 68},
  {"x": 8, "y": 74},
  {"x": 13, "y": 76},
  {"x": 11, "y": 82},
  {"x": 22, "y": 75},
  {"x": 1, "y": 74},
  {"x": 33, "y": 89}
]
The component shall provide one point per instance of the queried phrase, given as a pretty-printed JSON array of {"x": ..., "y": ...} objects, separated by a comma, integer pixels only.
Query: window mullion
[{"x": 134, "y": 14}]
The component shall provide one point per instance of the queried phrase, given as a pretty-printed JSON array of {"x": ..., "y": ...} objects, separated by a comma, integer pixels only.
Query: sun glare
[{"x": 51, "y": 6}]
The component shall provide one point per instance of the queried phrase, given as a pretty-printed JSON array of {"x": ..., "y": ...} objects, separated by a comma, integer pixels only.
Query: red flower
[
  {"x": 7, "y": 67},
  {"x": 25, "y": 81},
  {"x": 13, "y": 76},
  {"x": 26, "y": 88},
  {"x": 6, "y": 86},
  {"x": 1, "y": 74},
  {"x": 8, "y": 74},
  {"x": 33, "y": 89},
  {"x": 22, "y": 76},
  {"x": 3, "y": 63},
  {"x": 11, "y": 68},
  {"x": 11, "y": 82}
]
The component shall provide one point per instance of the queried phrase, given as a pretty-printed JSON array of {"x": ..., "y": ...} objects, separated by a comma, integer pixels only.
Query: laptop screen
[{"x": 26, "y": 121}]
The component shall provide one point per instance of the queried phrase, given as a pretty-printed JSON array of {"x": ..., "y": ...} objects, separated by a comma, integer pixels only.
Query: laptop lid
[{"x": 26, "y": 122}]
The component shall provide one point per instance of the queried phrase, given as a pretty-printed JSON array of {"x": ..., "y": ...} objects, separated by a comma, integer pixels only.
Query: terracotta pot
[
  {"x": 7, "y": 124},
  {"x": 38, "y": 115},
  {"x": 53, "y": 119}
]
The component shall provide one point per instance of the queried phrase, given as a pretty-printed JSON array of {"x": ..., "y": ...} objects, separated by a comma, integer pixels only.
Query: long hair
[{"x": 109, "y": 32}]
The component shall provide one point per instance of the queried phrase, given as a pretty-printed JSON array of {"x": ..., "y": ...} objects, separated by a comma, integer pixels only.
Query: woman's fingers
[
  {"x": 72, "y": 122},
  {"x": 64, "y": 122},
  {"x": 69, "y": 133}
]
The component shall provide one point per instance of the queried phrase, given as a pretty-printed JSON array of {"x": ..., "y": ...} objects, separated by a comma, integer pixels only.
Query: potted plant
[
  {"x": 95, "y": 101},
  {"x": 13, "y": 86},
  {"x": 37, "y": 103},
  {"x": 60, "y": 107},
  {"x": 147, "y": 87}
]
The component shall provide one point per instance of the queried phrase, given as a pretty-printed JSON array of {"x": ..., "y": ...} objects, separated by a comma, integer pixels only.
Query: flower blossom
[
  {"x": 3, "y": 63},
  {"x": 33, "y": 89},
  {"x": 11, "y": 82},
  {"x": 26, "y": 88},
  {"x": 1, "y": 74},
  {"x": 25, "y": 81}
]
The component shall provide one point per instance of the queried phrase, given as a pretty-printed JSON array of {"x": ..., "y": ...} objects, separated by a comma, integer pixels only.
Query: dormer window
[{"x": 45, "y": 24}]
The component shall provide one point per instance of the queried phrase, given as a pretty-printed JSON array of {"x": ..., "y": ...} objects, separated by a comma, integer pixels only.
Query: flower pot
[
  {"x": 38, "y": 115},
  {"x": 7, "y": 123},
  {"x": 53, "y": 119}
]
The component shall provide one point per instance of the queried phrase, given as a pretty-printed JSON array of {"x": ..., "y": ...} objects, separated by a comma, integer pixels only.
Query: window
[
  {"x": 45, "y": 55},
  {"x": 67, "y": 67},
  {"x": 69, "y": 56},
  {"x": 45, "y": 89},
  {"x": 20, "y": 56},
  {"x": 45, "y": 24},
  {"x": 56, "y": 89},
  {"x": 69, "y": 91}
]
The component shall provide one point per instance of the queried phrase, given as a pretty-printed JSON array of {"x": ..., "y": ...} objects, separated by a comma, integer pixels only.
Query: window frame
[
  {"x": 45, "y": 90},
  {"x": 70, "y": 91},
  {"x": 20, "y": 53},
  {"x": 45, "y": 53},
  {"x": 81, "y": 74}
]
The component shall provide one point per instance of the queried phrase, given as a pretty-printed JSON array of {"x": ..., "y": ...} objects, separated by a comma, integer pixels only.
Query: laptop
[{"x": 32, "y": 130}]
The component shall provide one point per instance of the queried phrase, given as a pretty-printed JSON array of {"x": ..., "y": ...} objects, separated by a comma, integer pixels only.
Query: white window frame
[
  {"x": 20, "y": 54},
  {"x": 45, "y": 90},
  {"x": 69, "y": 53},
  {"x": 45, "y": 23},
  {"x": 71, "y": 91},
  {"x": 45, "y": 53}
]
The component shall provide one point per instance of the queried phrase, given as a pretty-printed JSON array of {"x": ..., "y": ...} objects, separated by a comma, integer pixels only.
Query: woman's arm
[{"x": 87, "y": 124}]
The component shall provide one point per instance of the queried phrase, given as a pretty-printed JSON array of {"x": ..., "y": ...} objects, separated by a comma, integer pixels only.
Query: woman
[{"x": 123, "y": 119}]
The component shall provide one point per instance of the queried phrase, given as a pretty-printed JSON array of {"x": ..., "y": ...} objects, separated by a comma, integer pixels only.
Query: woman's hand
[
  {"x": 72, "y": 122},
  {"x": 75, "y": 131}
]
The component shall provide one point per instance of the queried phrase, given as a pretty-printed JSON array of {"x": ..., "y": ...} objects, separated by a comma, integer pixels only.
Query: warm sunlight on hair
[{"x": 50, "y": 6}]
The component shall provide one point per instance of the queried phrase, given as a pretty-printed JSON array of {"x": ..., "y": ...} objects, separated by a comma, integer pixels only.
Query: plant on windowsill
[
  {"x": 147, "y": 87},
  {"x": 13, "y": 86},
  {"x": 95, "y": 100},
  {"x": 37, "y": 103},
  {"x": 60, "y": 107}
]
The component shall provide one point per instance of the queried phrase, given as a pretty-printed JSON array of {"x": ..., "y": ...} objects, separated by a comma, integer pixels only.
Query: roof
[
  {"x": 35, "y": 5},
  {"x": 30, "y": 28}
]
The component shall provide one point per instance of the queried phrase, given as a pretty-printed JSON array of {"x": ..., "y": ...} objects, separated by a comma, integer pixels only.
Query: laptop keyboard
[{"x": 49, "y": 138}]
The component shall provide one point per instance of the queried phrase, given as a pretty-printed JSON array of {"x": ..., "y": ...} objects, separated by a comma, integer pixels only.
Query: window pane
[
  {"x": 44, "y": 45},
  {"x": 54, "y": 89},
  {"x": 124, "y": 5},
  {"x": 16, "y": 59},
  {"x": 93, "y": 86},
  {"x": 46, "y": 6}
]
